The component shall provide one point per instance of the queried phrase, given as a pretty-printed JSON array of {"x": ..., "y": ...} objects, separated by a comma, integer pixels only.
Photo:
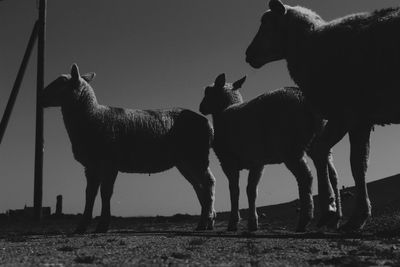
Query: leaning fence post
[{"x": 18, "y": 81}]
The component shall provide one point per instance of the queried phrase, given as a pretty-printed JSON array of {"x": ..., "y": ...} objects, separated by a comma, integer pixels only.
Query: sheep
[
  {"x": 273, "y": 128},
  {"x": 107, "y": 140},
  {"x": 348, "y": 71}
]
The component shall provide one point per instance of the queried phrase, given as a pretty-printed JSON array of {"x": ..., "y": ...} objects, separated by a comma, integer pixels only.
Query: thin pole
[
  {"x": 18, "y": 81},
  {"x": 38, "y": 178}
]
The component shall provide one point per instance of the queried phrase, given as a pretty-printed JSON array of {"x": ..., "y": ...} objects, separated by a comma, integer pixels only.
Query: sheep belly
[
  {"x": 263, "y": 148},
  {"x": 150, "y": 160},
  {"x": 270, "y": 142}
]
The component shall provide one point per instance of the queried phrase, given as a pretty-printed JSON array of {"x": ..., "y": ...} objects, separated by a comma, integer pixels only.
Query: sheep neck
[
  {"x": 219, "y": 117},
  {"x": 302, "y": 31},
  {"x": 78, "y": 112}
]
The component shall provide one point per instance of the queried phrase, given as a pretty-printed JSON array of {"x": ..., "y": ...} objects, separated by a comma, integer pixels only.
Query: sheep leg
[
  {"x": 106, "y": 191},
  {"x": 92, "y": 187},
  {"x": 359, "y": 154},
  {"x": 188, "y": 172},
  {"x": 334, "y": 131},
  {"x": 233, "y": 178},
  {"x": 252, "y": 184},
  {"x": 209, "y": 198},
  {"x": 304, "y": 178},
  {"x": 333, "y": 178}
]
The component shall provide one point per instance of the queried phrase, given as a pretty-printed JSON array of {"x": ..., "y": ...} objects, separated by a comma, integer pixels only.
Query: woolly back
[
  {"x": 304, "y": 17},
  {"x": 221, "y": 95}
]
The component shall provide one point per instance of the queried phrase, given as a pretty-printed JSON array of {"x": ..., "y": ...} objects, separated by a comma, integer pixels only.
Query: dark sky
[{"x": 149, "y": 54}]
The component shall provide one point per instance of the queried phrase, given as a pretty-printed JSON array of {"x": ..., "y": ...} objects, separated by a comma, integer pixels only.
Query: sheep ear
[
  {"x": 89, "y": 76},
  {"x": 75, "y": 72},
  {"x": 238, "y": 84},
  {"x": 277, "y": 7},
  {"x": 220, "y": 80}
]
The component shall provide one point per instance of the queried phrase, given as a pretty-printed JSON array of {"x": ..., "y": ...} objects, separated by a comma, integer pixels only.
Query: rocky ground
[
  {"x": 171, "y": 240},
  {"x": 165, "y": 241}
]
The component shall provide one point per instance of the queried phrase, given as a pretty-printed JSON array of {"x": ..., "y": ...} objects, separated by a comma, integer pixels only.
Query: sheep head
[
  {"x": 65, "y": 87},
  {"x": 220, "y": 95},
  {"x": 269, "y": 43}
]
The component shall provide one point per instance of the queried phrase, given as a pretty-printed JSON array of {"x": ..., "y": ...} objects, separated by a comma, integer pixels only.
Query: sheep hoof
[
  {"x": 353, "y": 225},
  {"x": 201, "y": 227},
  {"x": 326, "y": 218},
  {"x": 252, "y": 224},
  {"x": 303, "y": 222},
  {"x": 233, "y": 227},
  {"x": 252, "y": 228},
  {"x": 210, "y": 224},
  {"x": 211, "y": 221},
  {"x": 334, "y": 223},
  {"x": 359, "y": 218},
  {"x": 301, "y": 227}
]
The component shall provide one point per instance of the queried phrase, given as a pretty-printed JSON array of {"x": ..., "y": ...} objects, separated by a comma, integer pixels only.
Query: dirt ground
[{"x": 170, "y": 240}]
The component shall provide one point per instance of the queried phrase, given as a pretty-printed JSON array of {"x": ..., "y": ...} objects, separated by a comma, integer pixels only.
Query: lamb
[
  {"x": 107, "y": 140},
  {"x": 273, "y": 128},
  {"x": 348, "y": 71}
]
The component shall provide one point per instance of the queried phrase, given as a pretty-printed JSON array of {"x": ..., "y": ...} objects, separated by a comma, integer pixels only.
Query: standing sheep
[
  {"x": 273, "y": 128},
  {"x": 348, "y": 70},
  {"x": 106, "y": 140}
]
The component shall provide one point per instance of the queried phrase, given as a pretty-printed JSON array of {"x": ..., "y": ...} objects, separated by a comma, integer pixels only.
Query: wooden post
[
  {"x": 38, "y": 178},
  {"x": 18, "y": 81},
  {"x": 59, "y": 205}
]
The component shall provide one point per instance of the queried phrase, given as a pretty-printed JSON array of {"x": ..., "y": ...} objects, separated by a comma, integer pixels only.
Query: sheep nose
[
  {"x": 249, "y": 60},
  {"x": 249, "y": 55},
  {"x": 247, "y": 52}
]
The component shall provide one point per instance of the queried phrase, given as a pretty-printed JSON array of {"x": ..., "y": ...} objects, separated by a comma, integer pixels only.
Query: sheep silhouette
[
  {"x": 107, "y": 140},
  {"x": 348, "y": 71},
  {"x": 273, "y": 128}
]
